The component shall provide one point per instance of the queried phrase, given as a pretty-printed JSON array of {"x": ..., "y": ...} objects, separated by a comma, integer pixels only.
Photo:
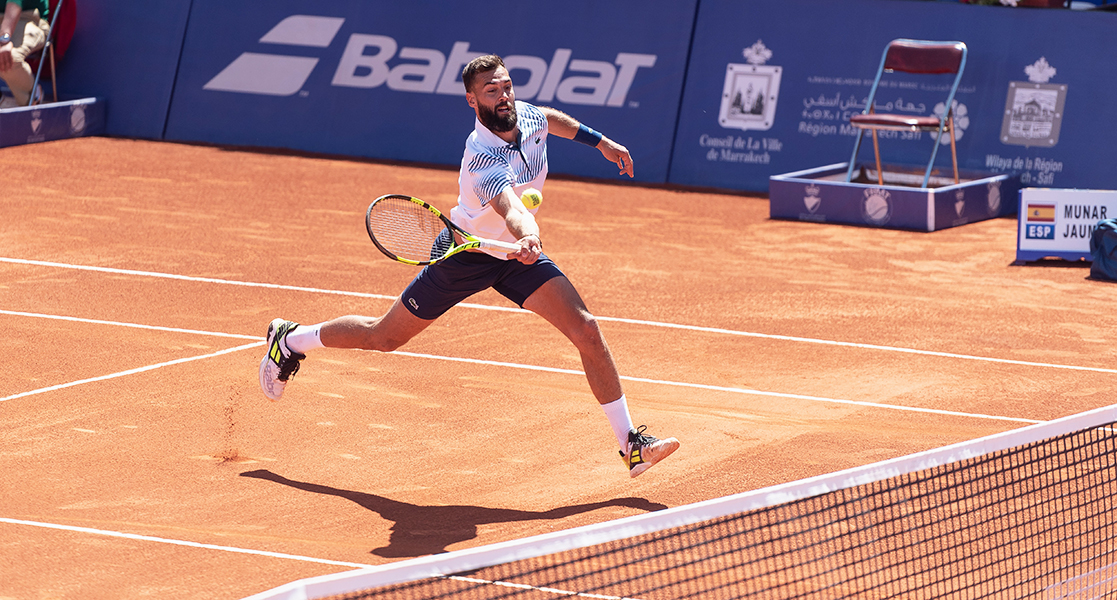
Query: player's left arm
[{"x": 566, "y": 126}]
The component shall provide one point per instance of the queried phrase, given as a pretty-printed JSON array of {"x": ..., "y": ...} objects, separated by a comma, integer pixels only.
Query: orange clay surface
[{"x": 129, "y": 401}]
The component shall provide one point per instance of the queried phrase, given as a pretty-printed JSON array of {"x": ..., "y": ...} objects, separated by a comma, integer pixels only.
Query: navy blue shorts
[{"x": 438, "y": 287}]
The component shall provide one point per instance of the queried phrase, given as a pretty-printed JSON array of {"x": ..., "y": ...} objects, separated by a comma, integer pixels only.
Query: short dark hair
[{"x": 481, "y": 64}]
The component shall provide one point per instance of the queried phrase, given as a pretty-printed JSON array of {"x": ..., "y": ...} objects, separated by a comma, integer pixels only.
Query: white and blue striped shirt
[{"x": 491, "y": 165}]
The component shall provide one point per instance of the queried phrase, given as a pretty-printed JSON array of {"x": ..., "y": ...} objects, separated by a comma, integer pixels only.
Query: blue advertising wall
[
  {"x": 826, "y": 55},
  {"x": 375, "y": 79},
  {"x": 126, "y": 52},
  {"x": 383, "y": 80}
]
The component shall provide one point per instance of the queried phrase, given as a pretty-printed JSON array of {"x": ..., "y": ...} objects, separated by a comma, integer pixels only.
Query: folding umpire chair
[
  {"x": 63, "y": 21},
  {"x": 918, "y": 57}
]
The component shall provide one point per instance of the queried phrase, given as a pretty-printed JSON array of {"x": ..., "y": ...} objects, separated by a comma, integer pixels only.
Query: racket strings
[{"x": 408, "y": 230}]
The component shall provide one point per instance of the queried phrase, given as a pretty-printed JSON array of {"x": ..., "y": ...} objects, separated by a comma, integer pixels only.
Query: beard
[{"x": 496, "y": 122}]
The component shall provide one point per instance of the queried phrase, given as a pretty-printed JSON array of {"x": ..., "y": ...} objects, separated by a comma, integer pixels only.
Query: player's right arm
[{"x": 521, "y": 223}]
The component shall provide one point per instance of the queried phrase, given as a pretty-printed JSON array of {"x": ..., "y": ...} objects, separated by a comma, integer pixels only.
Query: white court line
[
  {"x": 487, "y": 363},
  {"x": 132, "y": 371},
  {"x": 732, "y": 390},
  {"x": 410, "y": 354},
  {"x": 41, "y": 263},
  {"x": 148, "y": 538},
  {"x": 788, "y": 338},
  {"x": 784, "y": 338},
  {"x": 310, "y": 559},
  {"x": 17, "y": 313}
]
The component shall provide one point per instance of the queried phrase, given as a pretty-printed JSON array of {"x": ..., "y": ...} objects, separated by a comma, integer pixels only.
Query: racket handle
[{"x": 501, "y": 246}]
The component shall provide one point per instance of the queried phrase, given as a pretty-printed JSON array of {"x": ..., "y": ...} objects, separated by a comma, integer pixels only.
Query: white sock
[
  {"x": 304, "y": 337},
  {"x": 621, "y": 422}
]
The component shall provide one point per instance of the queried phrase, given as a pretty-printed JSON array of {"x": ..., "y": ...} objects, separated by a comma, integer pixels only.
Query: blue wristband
[{"x": 587, "y": 136}]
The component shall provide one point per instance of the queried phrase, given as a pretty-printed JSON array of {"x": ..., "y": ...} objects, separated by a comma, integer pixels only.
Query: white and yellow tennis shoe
[
  {"x": 644, "y": 450},
  {"x": 280, "y": 363}
]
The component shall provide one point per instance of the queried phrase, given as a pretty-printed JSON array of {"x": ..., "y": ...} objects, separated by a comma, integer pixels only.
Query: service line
[
  {"x": 475, "y": 361},
  {"x": 697, "y": 328}
]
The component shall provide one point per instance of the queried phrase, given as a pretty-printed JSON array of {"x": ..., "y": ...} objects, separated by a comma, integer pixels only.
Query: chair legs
[
  {"x": 36, "y": 93},
  {"x": 948, "y": 126},
  {"x": 876, "y": 152},
  {"x": 853, "y": 159},
  {"x": 953, "y": 150}
]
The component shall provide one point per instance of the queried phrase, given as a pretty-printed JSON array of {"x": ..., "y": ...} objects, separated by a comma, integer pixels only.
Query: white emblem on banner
[
  {"x": 993, "y": 199},
  {"x": 961, "y": 121},
  {"x": 77, "y": 119},
  {"x": 748, "y": 99},
  {"x": 1034, "y": 108},
  {"x": 877, "y": 206},
  {"x": 812, "y": 200}
]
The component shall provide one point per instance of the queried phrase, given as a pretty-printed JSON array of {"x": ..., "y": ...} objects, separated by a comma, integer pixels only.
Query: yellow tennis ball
[{"x": 532, "y": 198}]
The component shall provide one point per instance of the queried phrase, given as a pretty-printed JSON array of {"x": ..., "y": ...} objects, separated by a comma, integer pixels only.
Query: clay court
[{"x": 140, "y": 458}]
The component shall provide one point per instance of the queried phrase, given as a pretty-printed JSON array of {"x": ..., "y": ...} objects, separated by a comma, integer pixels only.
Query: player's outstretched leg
[
  {"x": 644, "y": 451},
  {"x": 280, "y": 363}
]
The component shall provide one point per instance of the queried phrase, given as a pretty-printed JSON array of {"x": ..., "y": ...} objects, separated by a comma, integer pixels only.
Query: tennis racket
[{"x": 415, "y": 233}]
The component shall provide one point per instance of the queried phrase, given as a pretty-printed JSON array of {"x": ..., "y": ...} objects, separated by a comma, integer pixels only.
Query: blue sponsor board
[
  {"x": 50, "y": 122},
  {"x": 822, "y": 195},
  {"x": 771, "y": 85},
  {"x": 127, "y": 53},
  {"x": 383, "y": 80}
]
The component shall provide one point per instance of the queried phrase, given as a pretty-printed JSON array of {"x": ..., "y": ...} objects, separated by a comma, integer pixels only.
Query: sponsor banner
[
  {"x": 48, "y": 122},
  {"x": 771, "y": 85},
  {"x": 127, "y": 54},
  {"x": 383, "y": 80},
  {"x": 1058, "y": 223},
  {"x": 821, "y": 195}
]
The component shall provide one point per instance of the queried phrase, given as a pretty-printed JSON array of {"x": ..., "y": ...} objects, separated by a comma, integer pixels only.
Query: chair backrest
[
  {"x": 915, "y": 56},
  {"x": 921, "y": 57}
]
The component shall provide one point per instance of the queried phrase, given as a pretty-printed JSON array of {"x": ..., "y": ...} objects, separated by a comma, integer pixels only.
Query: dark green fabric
[
  {"x": 44, "y": 10},
  {"x": 1103, "y": 250}
]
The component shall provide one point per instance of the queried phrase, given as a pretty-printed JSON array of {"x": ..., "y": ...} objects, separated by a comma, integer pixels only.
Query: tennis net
[{"x": 1022, "y": 514}]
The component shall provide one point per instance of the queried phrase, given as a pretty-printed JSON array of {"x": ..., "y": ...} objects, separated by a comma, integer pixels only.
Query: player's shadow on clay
[{"x": 421, "y": 530}]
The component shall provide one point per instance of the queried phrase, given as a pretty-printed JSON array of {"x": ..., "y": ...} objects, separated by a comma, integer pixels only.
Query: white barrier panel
[{"x": 1055, "y": 223}]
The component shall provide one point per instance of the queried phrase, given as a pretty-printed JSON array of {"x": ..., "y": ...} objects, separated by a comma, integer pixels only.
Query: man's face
[{"x": 494, "y": 100}]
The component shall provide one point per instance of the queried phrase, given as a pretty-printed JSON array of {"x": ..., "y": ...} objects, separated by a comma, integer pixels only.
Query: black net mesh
[{"x": 1033, "y": 521}]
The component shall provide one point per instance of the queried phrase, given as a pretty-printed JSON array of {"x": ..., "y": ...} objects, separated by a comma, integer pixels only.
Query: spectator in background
[{"x": 23, "y": 32}]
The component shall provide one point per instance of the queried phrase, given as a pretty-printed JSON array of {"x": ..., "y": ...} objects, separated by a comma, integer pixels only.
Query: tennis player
[{"x": 505, "y": 155}]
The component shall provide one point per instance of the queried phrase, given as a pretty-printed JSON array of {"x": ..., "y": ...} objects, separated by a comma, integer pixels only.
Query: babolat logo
[
  {"x": 275, "y": 74},
  {"x": 365, "y": 64}
]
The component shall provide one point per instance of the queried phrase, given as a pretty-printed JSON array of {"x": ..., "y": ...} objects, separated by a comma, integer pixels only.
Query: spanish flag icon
[{"x": 1041, "y": 213}]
